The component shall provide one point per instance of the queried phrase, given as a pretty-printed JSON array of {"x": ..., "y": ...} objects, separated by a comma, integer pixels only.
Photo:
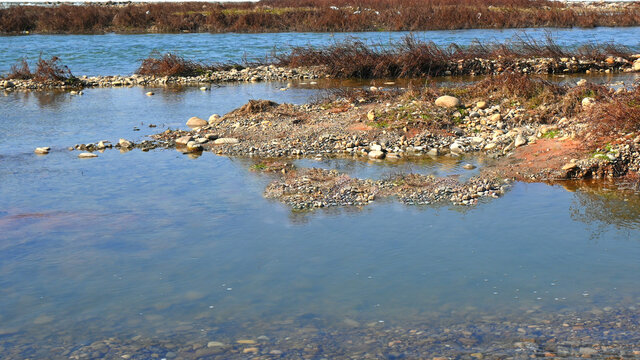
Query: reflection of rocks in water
[
  {"x": 610, "y": 332},
  {"x": 602, "y": 204},
  {"x": 45, "y": 99},
  {"x": 308, "y": 189}
]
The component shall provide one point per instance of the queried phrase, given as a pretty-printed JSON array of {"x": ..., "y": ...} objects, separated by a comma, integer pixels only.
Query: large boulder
[{"x": 448, "y": 101}]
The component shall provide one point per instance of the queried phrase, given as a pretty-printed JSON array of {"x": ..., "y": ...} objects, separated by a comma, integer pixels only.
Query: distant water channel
[
  {"x": 158, "y": 244},
  {"x": 114, "y": 54}
]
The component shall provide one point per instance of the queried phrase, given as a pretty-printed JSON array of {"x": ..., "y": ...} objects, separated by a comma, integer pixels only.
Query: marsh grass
[
  {"x": 311, "y": 15},
  {"x": 169, "y": 64},
  {"x": 412, "y": 58}
]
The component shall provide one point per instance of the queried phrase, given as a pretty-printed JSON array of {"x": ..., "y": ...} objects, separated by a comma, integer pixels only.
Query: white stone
[
  {"x": 184, "y": 140},
  {"x": 587, "y": 102},
  {"x": 520, "y": 140},
  {"x": 87, "y": 155},
  {"x": 214, "y": 119},
  {"x": 376, "y": 154},
  {"x": 456, "y": 148},
  {"x": 222, "y": 141},
  {"x": 196, "y": 122},
  {"x": 490, "y": 146},
  {"x": 124, "y": 143}
]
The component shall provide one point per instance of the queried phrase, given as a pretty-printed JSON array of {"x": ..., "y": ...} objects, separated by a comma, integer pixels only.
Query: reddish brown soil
[
  {"x": 359, "y": 127},
  {"x": 538, "y": 161}
]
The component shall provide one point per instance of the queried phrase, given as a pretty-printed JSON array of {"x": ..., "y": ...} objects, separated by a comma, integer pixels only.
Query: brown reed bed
[
  {"x": 46, "y": 70},
  {"x": 313, "y": 15},
  {"x": 616, "y": 113},
  {"x": 412, "y": 58},
  {"x": 174, "y": 65}
]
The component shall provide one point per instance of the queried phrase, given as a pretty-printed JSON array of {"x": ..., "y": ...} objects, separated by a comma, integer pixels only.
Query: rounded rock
[
  {"x": 196, "y": 122},
  {"x": 87, "y": 155},
  {"x": 448, "y": 101}
]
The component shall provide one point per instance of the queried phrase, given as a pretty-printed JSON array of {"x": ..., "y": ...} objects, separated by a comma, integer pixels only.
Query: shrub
[{"x": 46, "y": 70}]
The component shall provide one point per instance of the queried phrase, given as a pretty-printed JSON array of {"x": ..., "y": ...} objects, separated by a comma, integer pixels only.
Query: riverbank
[
  {"x": 454, "y": 67},
  {"x": 528, "y": 129},
  {"x": 312, "y": 16},
  {"x": 256, "y": 74}
]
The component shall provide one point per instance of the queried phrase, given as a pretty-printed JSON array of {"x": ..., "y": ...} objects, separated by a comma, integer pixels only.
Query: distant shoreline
[{"x": 308, "y": 16}]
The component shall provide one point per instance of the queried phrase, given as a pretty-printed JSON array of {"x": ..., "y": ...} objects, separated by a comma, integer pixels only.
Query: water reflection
[{"x": 601, "y": 203}]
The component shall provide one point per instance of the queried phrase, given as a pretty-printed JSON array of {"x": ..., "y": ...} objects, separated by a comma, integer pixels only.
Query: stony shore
[
  {"x": 521, "y": 142},
  {"x": 600, "y": 333},
  {"x": 472, "y": 67},
  {"x": 256, "y": 74}
]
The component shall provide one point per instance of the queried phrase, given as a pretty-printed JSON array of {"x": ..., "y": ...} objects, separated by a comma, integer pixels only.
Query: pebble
[
  {"x": 184, "y": 140},
  {"x": 87, "y": 155},
  {"x": 448, "y": 101},
  {"x": 586, "y": 102},
  {"x": 246, "y": 342},
  {"x": 222, "y": 141},
  {"x": 125, "y": 144},
  {"x": 520, "y": 140},
  {"x": 376, "y": 154},
  {"x": 42, "y": 150},
  {"x": 213, "y": 119}
]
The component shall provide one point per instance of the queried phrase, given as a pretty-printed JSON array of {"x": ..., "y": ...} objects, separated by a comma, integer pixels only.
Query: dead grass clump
[
  {"x": 46, "y": 70},
  {"x": 619, "y": 113},
  {"x": 20, "y": 71},
  {"x": 255, "y": 107},
  {"x": 273, "y": 166},
  {"x": 517, "y": 86},
  {"x": 571, "y": 103},
  {"x": 321, "y": 175},
  {"x": 53, "y": 70},
  {"x": 359, "y": 95},
  {"x": 169, "y": 65},
  {"x": 412, "y": 58},
  {"x": 411, "y": 180}
]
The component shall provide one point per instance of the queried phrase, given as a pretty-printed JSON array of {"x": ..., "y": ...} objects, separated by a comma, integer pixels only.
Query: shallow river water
[
  {"x": 115, "y": 54},
  {"x": 159, "y": 245}
]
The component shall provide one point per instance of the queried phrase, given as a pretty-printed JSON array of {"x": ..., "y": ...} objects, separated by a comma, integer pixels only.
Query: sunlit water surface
[
  {"x": 115, "y": 54},
  {"x": 141, "y": 243}
]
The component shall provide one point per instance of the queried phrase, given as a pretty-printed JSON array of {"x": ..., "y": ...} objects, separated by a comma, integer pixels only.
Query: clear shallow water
[
  {"x": 155, "y": 243},
  {"x": 114, "y": 54},
  {"x": 376, "y": 169},
  {"x": 138, "y": 241},
  {"x": 60, "y": 120}
]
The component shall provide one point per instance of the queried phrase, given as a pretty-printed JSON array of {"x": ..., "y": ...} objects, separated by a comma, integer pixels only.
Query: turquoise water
[
  {"x": 114, "y": 54},
  {"x": 160, "y": 244}
]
